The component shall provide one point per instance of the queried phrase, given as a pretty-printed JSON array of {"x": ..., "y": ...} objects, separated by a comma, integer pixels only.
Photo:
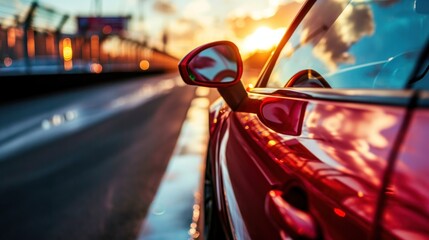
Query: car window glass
[
  {"x": 355, "y": 44},
  {"x": 421, "y": 78}
]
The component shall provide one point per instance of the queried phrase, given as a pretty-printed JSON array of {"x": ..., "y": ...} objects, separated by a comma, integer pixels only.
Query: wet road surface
[{"x": 87, "y": 164}]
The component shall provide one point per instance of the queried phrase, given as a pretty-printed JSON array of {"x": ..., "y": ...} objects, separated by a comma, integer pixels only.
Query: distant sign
[{"x": 106, "y": 25}]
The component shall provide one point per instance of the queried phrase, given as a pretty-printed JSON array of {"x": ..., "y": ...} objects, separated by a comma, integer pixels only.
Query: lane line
[{"x": 174, "y": 212}]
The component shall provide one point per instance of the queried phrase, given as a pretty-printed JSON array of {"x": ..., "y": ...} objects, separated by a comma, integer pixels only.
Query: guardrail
[{"x": 32, "y": 42}]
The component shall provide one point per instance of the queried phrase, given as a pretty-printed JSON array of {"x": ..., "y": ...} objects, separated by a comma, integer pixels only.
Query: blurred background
[
  {"x": 99, "y": 136},
  {"x": 134, "y": 35}
]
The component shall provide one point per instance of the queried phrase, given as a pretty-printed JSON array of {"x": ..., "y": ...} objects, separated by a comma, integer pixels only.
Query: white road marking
[{"x": 173, "y": 214}]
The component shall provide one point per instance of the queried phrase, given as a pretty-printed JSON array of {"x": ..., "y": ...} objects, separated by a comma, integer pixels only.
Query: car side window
[
  {"x": 354, "y": 44},
  {"x": 421, "y": 79}
]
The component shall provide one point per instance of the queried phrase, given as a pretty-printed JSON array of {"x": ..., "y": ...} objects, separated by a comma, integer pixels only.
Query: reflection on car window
[
  {"x": 356, "y": 44},
  {"x": 421, "y": 78}
]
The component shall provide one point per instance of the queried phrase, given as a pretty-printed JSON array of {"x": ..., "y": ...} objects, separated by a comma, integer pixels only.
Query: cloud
[
  {"x": 280, "y": 18},
  {"x": 355, "y": 22},
  {"x": 197, "y": 7},
  {"x": 164, "y": 6},
  {"x": 186, "y": 33}
]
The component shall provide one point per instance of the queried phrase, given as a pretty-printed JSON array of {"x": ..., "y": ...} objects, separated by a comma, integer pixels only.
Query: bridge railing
[{"x": 32, "y": 41}]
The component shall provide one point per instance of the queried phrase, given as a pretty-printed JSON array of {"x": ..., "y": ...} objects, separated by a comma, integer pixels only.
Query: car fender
[{"x": 218, "y": 114}]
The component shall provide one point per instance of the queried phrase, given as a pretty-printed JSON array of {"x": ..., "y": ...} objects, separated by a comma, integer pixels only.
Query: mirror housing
[{"x": 216, "y": 65}]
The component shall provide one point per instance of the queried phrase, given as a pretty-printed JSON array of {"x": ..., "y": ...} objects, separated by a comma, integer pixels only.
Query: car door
[
  {"x": 311, "y": 160},
  {"x": 405, "y": 205}
]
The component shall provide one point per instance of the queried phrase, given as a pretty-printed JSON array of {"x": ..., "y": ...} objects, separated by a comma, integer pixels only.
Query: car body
[{"x": 332, "y": 141}]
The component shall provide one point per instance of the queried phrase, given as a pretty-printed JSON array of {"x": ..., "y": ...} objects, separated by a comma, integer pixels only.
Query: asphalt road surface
[{"x": 87, "y": 164}]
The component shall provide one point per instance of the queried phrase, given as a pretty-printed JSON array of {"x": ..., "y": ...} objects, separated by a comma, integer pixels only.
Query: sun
[{"x": 262, "y": 39}]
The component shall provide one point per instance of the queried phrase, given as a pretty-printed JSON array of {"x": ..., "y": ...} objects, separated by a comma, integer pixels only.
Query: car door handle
[{"x": 295, "y": 223}]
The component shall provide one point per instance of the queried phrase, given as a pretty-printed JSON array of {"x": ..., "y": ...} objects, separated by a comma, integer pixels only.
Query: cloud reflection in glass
[{"x": 214, "y": 64}]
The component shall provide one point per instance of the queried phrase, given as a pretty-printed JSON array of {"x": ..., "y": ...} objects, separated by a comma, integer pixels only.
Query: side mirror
[{"x": 217, "y": 65}]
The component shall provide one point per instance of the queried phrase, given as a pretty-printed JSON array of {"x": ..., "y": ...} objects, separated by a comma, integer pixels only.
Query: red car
[{"x": 333, "y": 142}]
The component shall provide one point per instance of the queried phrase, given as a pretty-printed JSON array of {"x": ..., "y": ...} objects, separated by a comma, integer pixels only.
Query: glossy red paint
[
  {"x": 337, "y": 162},
  {"x": 339, "y": 212},
  {"x": 283, "y": 116},
  {"x": 295, "y": 222},
  {"x": 406, "y": 210}
]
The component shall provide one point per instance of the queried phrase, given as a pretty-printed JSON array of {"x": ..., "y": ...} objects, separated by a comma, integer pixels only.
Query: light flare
[
  {"x": 67, "y": 49},
  {"x": 144, "y": 65},
  {"x": 7, "y": 61},
  {"x": 262, "y": 39},
  {"x": 96, "y": 68}
]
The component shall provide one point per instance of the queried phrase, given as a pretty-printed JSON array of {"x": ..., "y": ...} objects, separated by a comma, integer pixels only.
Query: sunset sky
[{"x": 252, "y": 25}]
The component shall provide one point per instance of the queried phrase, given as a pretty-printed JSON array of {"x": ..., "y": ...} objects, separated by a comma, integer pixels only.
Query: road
[{"x": 87, "y": 164}]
